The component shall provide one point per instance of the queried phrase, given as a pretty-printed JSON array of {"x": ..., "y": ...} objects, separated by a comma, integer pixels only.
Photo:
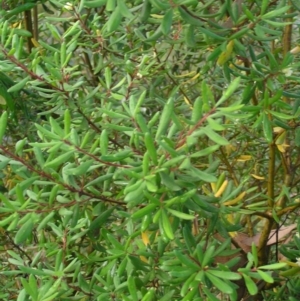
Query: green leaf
[
  {"x": 165, "y": 118},
  {"x": 99, "y": 180},
  {"x": 214, "y": 125},
  {"x": 280, "y": 115},
  {"x": 124, "y": 9},
  {"x": 97, "y": 223},
  {"x": 120, "y": 156},
  {"x": 24, "y": 232},
  {"x": 160, "y": 4},
  {"x": 146, "y": 11},
  {"x": 56, "y": 128},
  {"x": 79, "y": 170},
  {"x": 267, "y": 127},
  {"x": 207, "y": 256},
  {"x": 201, "y": 175},
  {"x": 297, "y": 136},
  {"x": 205, "y": 152},
  {"x": 191, "y": 294},
  {"x": 3, "y": 123},
  {"x": 229, "y": 91},
  {"x": 32, "y": 271},
  {"x": 231, "y": 108},
  {"x": 181, "y": 215},
  {"x": 144, "y": 211},
  {"x": 264, "y": 6},
  {"x": 64, "y": 158},
  {"x": 168, "y": 296},
  {"x": 47, "y": 133},
  {"x": 166, "y": 224},
  {"x": 10, "y": 219},
  {"x": 274, "y": 266},
  {"x": 214, "y": 136},
  {"x": 250, "y": 284},
  {"x": 18, "y": 86},
  {"x": 219, "y": 284},
  {"x": 239, "y": 33},
  {"x": 169, "y": 182},
  {"x": 225, "y": 274},
  {"x": 186, "y": 260},
  {"x": 19, "y": 9},
  {"x": 277, "y": 24},
  {"x": 276, "y": 12},
  {"x": 149, "y": 142},
  {"x": 22, "y": 295},
  {"x": 139, "y": 103},
  {"x": 167, "y": 22},
  {"x": 5, "y": 97},
  {"x": 188, "y": 17},
  {"x": 107, "y": 75},
  {"x": 211, "y": 296},
  {"x": 207, "y": 97},
  {"x": 211, "y": 34},
  {"x": 265, "y": 276},
  {"x": 132, "y": 288},
  {"x": 190, "y": 36},
  {"x": 136, "y": 195},
  {"x": 114, "y": 20},
  {"x": 155, "y": 36},
  {"x": 45, "y": 221}
]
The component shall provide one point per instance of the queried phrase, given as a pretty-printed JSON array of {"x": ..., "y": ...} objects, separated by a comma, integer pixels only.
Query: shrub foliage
[{"x": 150, "y": 150}]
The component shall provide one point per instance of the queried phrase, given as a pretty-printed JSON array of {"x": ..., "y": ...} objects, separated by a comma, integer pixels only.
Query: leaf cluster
[{"x": 149, "y": 150}]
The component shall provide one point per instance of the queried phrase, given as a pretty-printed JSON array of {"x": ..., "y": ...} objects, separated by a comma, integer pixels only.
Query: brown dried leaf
[{"x": 284, "y": 232}]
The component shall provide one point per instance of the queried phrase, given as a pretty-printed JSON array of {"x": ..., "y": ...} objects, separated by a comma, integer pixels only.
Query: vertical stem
[
  {"x": 271, "y": 175},
  {"x": 287, "y": 32},
  {"x": 35, "y": 23},
  {"x": 28, "y": 26},
  {"x": 263, "y": 240},
  {"x": 287, "y": 37}
]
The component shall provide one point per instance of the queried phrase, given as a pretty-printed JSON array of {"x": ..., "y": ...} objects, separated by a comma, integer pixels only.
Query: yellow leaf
[
  {"x": 191, "y": 79},
  {"x": 282, "y": 147},
  {"x": 243, "y": 158},
  {"x": 144, "y": 259},
  {"x": 295, "y": 50},
  {"x": 16, "y": 25},
  {"x": 229, "y": 149},
  {"x": 213, "y": 186},
  {"x": 226, "y": 54},
  {"x": 236, "y": 200},
  {"x": 281, "y": 138},
  {"x": 156, "y": 16},
  {"x": 290, "y": 263},
  {"x": 35, "y": 43},
  {"x": 230, "y": 46},
  {"x": 230, "y": 218},
  {"x": 257, "y": 177},
  {"x": 2, "y": 100},
  {"x": 221, "y": 189},
  {"x": 205, "y": 190},
  {"x": 196, "y": 76},
  {"x": 192, "y": 73},
  {"x": 145, "y": 238},
  {"x": 277, "y": 129},
  {"x": 188, "y": 102}
]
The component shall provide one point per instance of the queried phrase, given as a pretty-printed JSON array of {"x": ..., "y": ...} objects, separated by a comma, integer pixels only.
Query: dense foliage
[{"x": 150, "y": 150}]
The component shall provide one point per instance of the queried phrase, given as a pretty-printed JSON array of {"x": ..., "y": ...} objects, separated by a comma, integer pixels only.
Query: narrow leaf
[{"x": 219, "y": 284}]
